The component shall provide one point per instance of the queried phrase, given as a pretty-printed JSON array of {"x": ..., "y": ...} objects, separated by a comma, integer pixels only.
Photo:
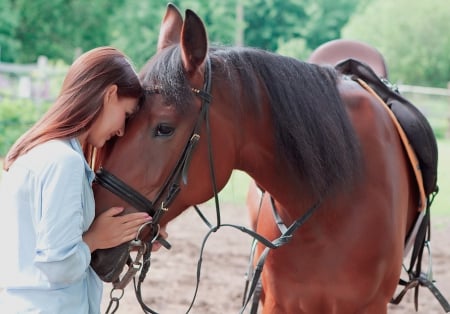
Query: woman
[{"x": 47, "y": 205}]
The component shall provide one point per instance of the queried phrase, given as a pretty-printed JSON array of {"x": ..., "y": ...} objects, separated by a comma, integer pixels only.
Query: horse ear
[
  {"x": 170, "y": 30},
  {"x": 194, "y": 42}
]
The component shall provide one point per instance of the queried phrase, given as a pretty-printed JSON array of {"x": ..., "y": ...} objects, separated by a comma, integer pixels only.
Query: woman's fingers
[
  {"x": 113, "y": 211},
  {"x": 127, "y": 227},
  {"x": 135, "y": 219}
]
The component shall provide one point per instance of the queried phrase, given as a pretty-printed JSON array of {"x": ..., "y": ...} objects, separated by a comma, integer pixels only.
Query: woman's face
[{"x": 111, "y": 120}]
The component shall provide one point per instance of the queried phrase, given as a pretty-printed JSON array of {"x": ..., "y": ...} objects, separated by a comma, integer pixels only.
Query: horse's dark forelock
[
  {"x": 165, "y": 73},
  {"x": 313, "y": 132}
]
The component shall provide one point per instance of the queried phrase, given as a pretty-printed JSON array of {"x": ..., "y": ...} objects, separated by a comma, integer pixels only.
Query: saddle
[
  {"x": 421, "y": 140},
  {"x": 416, "y": 127}
]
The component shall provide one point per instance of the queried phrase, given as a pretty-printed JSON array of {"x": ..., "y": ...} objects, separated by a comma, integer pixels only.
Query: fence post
[
  {"x": 42, "y": 84},
  {"x": 24, "y": 86},
  {"x": 447, "y": 134}
]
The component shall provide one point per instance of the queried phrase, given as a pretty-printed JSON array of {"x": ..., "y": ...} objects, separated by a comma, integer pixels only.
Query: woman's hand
[{"x": 109, "y": 230}]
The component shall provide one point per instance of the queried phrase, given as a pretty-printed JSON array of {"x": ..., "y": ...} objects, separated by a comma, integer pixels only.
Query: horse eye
[{"x": 163, "y": 130}]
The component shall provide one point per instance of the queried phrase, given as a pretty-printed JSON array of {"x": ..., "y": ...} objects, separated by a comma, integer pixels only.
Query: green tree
[
  {"x": 327, "y": 18},
  {"x": 9, "y": 45},
  {"x": 271, "y": 23},
  {"x": 135, "y": 27},
  {"x": 412, "y": 36},
  {"x": 60, "y": 28},
  {"x": 219, "y": 17}
]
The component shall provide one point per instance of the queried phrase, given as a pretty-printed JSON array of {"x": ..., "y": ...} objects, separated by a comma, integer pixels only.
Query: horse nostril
[{"x": 109, "y": 263}]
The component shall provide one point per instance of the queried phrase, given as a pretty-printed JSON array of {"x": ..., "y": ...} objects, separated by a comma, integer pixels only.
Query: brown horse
[{"x": 320, "y": 144}]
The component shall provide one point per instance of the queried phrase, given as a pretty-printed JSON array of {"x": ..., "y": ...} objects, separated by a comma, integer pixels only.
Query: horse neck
[
  {"x": 289, "y": 191},
  {"x": 248, "y": 119},
  {"x": 258, "y": 157}
]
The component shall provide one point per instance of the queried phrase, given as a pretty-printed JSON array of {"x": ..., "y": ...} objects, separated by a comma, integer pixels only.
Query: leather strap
[{"x": 409, "y": 150}]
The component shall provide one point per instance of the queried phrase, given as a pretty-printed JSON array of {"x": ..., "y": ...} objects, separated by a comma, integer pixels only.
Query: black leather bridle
[
  {"x": 163, "y": 199},
  {"x": 171, "y": 187}
]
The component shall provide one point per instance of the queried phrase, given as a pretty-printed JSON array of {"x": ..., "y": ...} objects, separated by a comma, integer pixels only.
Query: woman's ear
[{"x": 111, "y": 94}]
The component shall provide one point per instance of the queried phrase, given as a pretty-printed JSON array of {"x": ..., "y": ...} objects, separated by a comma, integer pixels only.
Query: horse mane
[{"x": 313, "y": 132}]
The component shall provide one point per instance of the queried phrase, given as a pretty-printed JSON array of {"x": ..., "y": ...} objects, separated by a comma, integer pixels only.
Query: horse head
[{"x": 156, "y": 156}]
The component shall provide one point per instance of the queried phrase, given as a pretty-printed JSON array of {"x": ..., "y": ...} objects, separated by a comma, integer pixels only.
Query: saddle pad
[{"x": 414, "y": 124}]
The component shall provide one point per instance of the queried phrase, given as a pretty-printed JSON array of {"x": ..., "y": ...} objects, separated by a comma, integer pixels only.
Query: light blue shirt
[{"x": 46, "y": 204}]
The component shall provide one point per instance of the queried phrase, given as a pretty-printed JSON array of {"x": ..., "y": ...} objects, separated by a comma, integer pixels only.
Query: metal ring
[
  {"x": 119, "y": 296},
  {"x": 140, "y": 229},
  {"x": 156, "y": 235}
]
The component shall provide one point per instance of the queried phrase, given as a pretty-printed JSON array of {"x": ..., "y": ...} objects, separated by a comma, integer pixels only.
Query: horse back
[
  {"x": 415, "y": 125},
  {"x": 385, "y": 158}
]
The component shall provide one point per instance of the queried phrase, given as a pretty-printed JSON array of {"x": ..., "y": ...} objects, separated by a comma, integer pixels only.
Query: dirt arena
[{"x": 170, "y": 284}]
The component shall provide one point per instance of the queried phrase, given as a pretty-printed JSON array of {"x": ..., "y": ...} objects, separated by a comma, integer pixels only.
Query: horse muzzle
[{"x": 109, "y": 263}]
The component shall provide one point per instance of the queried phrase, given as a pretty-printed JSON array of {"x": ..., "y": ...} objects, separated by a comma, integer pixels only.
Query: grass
[{"x": 235, "y": 192}]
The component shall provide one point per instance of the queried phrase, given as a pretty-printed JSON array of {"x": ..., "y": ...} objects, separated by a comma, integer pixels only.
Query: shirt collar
[{"x": 75, "y": 143}]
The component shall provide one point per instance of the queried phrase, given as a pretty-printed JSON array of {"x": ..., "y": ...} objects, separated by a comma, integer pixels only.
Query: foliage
[
  {"x": 270, "y": 23},
  {"x": 295, "y": 48},
  {"x": 412, "y": 35},
  {"x": 265, "y": 25},
  {"x": 9, "y": 45},
  {"x": 61, "y": 29},
  {"x": 14, "y": 122},
  {"x": 327, "y": 18},
  {"x": 416, "y": 48},
  {"x": 134, "y": 29},
  {"x": 219, "y": 17}
]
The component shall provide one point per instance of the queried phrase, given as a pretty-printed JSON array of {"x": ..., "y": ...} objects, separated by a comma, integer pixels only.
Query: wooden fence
[
  {"x": 434, "y": 103},
  {"x": 36, "y": 81},
  {"x": 425, "y": 90}
]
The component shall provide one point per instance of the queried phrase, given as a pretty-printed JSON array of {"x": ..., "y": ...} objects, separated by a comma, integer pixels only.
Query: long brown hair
[{"x": 81, "y": 100}]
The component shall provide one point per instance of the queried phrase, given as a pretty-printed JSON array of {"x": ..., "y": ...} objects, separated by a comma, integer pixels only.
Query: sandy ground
[{"x": 170, "y": 284}]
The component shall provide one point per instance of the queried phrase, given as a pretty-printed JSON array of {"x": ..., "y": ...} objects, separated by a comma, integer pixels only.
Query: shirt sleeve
[{"x": 61, "y": 254}]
